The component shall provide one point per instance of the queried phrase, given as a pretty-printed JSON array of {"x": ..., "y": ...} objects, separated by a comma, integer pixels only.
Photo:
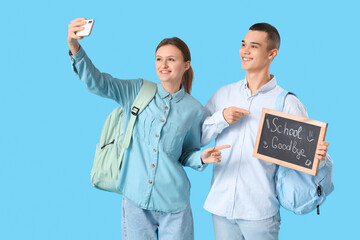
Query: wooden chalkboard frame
[{"x": 322, "y": 125}]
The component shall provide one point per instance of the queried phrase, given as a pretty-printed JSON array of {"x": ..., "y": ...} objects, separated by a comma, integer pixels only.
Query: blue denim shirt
[{"x": 166, "y": 137}]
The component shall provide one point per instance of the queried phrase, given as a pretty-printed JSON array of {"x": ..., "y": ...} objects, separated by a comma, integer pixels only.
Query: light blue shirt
[
  {"x": 165, "y": 138},
  {"x": 242, "y": 187}
]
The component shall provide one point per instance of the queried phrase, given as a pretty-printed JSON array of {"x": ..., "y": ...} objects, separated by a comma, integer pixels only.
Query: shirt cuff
[
  {"x": 78, "y": 56},
  {"x": 220, "y": 121},
  {"x": 200, "y": 165}
]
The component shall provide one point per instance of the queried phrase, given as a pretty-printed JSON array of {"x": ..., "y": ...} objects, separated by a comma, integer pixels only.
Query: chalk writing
[
  {"x": 282, "y": 138},
  {"x": 289, "y": 140}
]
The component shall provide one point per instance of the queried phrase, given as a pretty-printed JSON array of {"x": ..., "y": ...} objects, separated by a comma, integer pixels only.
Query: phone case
[{"x": 88, "y": 27}]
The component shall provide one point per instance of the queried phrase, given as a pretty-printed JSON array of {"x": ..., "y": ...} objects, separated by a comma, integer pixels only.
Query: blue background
[{"x": 50, "y": 123}]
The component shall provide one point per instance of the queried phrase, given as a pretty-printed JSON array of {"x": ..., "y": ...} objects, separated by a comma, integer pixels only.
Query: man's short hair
[{"x": 273, "y": 36}]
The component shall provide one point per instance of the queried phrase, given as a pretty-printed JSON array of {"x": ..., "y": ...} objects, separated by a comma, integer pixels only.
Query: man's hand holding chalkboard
[
  {"x": 321, "y": 150},
  {"x": 233, "y": 114}
]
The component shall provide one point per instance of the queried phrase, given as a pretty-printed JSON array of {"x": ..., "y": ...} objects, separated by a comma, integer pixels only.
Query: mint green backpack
[{"x": 112, "y": 145}]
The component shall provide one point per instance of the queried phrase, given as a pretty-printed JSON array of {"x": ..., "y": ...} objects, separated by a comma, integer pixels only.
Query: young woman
[{"x": 166, "y": 137}]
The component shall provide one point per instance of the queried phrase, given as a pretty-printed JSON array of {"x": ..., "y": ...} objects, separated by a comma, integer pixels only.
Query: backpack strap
[
  {"x": 280, "y": 100},
  {"x": 145, "y": 95},
  {"x": 280, "y": 103}
]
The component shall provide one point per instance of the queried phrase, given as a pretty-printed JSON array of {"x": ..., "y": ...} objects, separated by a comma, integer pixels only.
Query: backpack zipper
[
  {"x": 318, "y": 187},
  {"x": 112, "y": 142}
]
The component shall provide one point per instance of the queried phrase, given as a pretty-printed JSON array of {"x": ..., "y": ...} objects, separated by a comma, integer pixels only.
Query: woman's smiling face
[{"x": 170, "y": 65}]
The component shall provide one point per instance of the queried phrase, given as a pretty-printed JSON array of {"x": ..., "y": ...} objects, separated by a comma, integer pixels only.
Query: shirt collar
[
  {"x": 267, "y": 87},
  {"x": 175, "y": 96}
]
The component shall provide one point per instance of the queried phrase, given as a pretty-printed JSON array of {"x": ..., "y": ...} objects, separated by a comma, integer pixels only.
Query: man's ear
[{"x": 272, "y": 54}]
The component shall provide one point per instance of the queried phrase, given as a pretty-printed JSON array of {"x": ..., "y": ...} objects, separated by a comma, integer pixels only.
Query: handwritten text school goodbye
[{"x": 290, "y": 146}]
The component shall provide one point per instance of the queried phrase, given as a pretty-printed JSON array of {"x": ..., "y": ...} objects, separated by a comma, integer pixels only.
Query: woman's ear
[{"x": 187, "y": 65}]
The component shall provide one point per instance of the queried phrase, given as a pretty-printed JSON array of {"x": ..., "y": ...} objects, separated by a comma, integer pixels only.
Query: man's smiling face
[{"x": 254, "y": 52}]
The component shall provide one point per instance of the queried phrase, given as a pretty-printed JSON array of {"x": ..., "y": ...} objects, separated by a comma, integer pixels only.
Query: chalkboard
[{"x": 289, "y": 140}]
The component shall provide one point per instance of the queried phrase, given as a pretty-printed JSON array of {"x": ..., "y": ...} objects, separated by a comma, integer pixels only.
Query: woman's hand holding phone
[{"x": 77, "y": 30}]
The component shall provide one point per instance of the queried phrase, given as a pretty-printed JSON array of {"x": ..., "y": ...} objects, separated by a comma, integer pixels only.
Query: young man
[{"x": 242, "y": 197}]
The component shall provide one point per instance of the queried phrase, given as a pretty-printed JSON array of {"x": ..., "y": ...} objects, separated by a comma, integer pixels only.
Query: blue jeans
[
  {"x": 238, "y": 229},
  {"x": 142, "y": 224}
]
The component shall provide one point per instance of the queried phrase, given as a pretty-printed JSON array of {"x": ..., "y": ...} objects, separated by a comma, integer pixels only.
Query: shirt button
[
  {"x": 153, "y": 165},
  {"x": 154, "y": 150},
  {"x": 150, "y": 181},
  {"x": 162, "y": 120},
  {"x": 166, "y": 108},
  {"x": 157, "y": 135}
]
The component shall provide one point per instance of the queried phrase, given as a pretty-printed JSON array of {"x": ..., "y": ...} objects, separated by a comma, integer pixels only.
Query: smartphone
[{"x": 88, "y": 27}]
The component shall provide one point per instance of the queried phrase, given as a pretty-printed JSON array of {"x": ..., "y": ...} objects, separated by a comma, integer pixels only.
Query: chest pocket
[
  {"x": 173, "y": 136},
  {"x": 144, "y": 127}
]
